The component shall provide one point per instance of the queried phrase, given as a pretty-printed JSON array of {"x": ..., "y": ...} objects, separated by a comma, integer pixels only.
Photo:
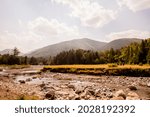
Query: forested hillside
[{"x": 135, "y": 53}]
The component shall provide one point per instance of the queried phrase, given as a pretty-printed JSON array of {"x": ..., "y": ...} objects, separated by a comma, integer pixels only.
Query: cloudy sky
[{"x": 31, "y": 24}]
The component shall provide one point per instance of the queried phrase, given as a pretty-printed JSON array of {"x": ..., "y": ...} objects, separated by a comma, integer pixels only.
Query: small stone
[
  {"x": 79, "y": 90},
  {"x": 90, "y": 91},
  {"x": 132, "y": 96},
  {"x": 148, "y": 84},
  {"x": 71, "y": 96},
  {"x": 109, "y": 95},
  {"x": 77, "y": 97},
  {"x": 117, "y": 98},
  {"x": 98, "y": 93},
  {"x": 71, "y": 86},
  {"x": 34, "y": 77},
  {"x": 50, "y": 95},
  {"x": 42, "y": 85},
  {"x": 83, "y": 95},
  {"x": 92, "y": 98},
  {"x": 28, "y": 79},
  {"x": 120, "y": 93},
  {"x": 22, "y": 81},
  {"x": 132, "y": 88}
]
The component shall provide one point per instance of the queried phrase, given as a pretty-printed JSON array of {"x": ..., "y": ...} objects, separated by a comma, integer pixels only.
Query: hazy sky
[{"x": 31, "y": 24}]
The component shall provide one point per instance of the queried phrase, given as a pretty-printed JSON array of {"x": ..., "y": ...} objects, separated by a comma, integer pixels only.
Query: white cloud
[
  {"x": 51, "y": 28},
  {"x": 135, "y": 5},
  {"x": 38, "y": 33},
  {"x": 90, "y": 13},
  {"x": 129, "y": 34}
]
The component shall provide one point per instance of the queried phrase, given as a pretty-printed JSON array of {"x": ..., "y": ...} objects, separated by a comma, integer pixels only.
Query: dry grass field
[
  {"x": 107, "y": 66},
  {"x": 103, "y": 69}
]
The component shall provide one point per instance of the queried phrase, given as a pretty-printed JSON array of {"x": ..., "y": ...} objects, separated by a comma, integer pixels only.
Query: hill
[
  {"x": 119, "y": 43},
  {"x": 85, "y": 44},
  {"x": 52, "y": 50}
]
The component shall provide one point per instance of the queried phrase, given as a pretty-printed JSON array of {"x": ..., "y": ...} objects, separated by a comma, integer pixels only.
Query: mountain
[
  {"x": 6, "y": 51},
  {"x": 9, "y": 51},
  {"x": 52, "y": 50},
  {"x": 85, "y": 44},
  {"x": 119, "y": 43}
]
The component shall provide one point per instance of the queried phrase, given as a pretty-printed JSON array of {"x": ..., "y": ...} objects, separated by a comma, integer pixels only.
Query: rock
[
  {"x": 117, "y": 98},
  {"x": 120, "y": 93},
  {"x": 71, "y": 86},
  {"x": 83, "y": 95},
  {"x": 42, "y": 85},
  {"x": 132, "y": 88},
  {"x": 87, "y": 97},
  {"x": 22, "y": 81},
  {"x": 50, "y": 95},
  {"x": 132, "y": 96},
  {"x": 34, "y": 77},
  {"x": 28, "y": 79},
  {"x": 98, "y": 93},
  {"x": 109, "y": 95},
  {"x": 92, "y": 98},
  {"x": 71, "y": 96},
  {"x": 148, "y": 84},
  {"x": 79, "y": 90},
  {"x": 1, "y": 69},
  {"x": 77, "y": 97},
  {"x": 90, "y": 91}
]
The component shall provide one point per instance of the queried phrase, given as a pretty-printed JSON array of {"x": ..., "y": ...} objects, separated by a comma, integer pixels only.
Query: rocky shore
[{"x": 29, "y": 83}]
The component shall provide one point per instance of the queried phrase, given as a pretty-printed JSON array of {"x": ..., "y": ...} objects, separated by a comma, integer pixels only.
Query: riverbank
[
  {"x": 64, "y": 86},
  {"x": 109, "y": 70}
]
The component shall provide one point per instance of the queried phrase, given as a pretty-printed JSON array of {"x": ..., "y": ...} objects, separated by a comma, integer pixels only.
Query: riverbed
[{"x": 63, "y": 86}]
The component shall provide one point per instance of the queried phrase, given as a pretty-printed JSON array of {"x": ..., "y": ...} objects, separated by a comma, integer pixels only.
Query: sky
[{"x": 32, "y": 24}]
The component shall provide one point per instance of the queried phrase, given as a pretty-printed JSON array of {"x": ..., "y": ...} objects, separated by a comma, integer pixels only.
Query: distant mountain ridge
[
  {"x": 52, "y": 50},
  {"x": 85, "y": 44},
  {"x": 119, "y": 43}
]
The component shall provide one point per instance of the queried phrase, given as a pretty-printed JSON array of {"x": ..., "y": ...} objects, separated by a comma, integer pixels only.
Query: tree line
[
  {"x": 135, "y": 53},
  {"x": 14, "y": 58}
]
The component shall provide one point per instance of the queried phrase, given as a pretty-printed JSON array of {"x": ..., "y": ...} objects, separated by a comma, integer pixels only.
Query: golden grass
[{"x": 106, "y": 66}]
